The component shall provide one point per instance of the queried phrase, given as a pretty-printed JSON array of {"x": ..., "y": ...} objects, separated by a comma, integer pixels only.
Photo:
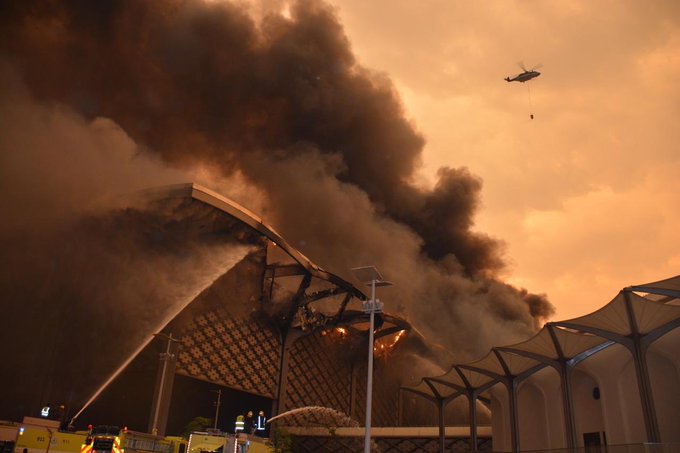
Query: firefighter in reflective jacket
[
  {"x": 241, "y": 443},
  {"x": 260, "y": 424},
  {"x": 239, "y": 424}
]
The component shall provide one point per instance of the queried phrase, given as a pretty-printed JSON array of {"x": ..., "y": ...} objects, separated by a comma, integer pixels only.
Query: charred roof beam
[
  {"x": 318, "y": 295},
  {"x": 341, "y": 310},
  {"x": 283, "y": 270},
  {"x": 295, "y": 302}
]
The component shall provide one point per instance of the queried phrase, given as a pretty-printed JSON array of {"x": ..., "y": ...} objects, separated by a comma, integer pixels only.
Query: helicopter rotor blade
[
  {"x": 521, "y": 65},
  {"x": 538, "y": 66}
]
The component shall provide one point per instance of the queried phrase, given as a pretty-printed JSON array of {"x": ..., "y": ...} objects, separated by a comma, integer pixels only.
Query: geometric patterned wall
[
  {"x": 385, "y": 405},
  {"x": 337, "y": 444},
  {"x": 237, "y": 353},
  {"x": 224, "y": 341},
  {"x": 317, "y": 374},
  {"x": 328, "y": 371},
  {"x": 232, "y": 333},
  {"x": 244, "y": 354}
]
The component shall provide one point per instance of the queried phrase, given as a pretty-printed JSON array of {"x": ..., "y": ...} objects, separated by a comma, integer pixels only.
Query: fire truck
[
  {"x": 112, "y": 439},
  {"x": 214, "y": 441},
  {"x": 38, "y": 435},
  {"x": 8, "y": 436},
  {"x": 205, "y": 442}
]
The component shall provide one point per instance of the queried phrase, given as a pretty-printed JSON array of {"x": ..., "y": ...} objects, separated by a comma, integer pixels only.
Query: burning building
[
  {"x": 273, "y": 111},
  {"x": 276, "y": 324}
]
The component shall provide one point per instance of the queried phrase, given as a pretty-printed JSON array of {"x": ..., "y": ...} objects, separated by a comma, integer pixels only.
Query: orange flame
[{"x": 383, "y": 348}]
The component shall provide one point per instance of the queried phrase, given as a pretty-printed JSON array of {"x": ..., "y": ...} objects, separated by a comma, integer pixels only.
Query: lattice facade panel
[
  {"x": 318, "y": 374},
  {"x": 327, "y": 444},
  {"x": 384, "y": 409},
  {"x": 222, "y": 341},
  {"x": 225, "y": 342},
  {"x": 234, "y": 352},
  {"x": 309, "y": 444}
]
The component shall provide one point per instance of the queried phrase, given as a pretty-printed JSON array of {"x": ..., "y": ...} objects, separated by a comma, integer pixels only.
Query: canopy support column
[
  {"x": 563, "y": 365},
  {"x": 568, "y": 404},
  {"x": 472, "y": 400},
  {"x": 646, "y": 396},
  {"x": 511, "y": 386},
  {"x": 639, "y": 354},
  {"x": 442, "y": 429}
]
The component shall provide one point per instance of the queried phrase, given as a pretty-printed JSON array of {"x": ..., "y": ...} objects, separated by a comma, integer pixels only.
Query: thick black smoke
[
  {"x": 282, "y": 103},
  {"x": 202, "y": 81}
]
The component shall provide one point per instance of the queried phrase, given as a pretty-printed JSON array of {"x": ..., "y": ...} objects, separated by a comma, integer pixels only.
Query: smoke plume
[{"x": 321, "y": 145}]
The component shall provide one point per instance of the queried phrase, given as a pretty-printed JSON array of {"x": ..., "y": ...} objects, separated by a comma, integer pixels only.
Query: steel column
[
  {"x": 511, "y": 386},
  {"x": 369, "y": 382},
  {"x": 646, "y": 395},
  {"x": 472, "y": 400},
  {"x": 640, "y": 360},
  {"x": 563, "y": 366},
  {"x": 565, "y": 372},
  {"x": 442, "y": 429},
  {"x": 287, "y": 340},
  {"x": 400, "y": 408}
]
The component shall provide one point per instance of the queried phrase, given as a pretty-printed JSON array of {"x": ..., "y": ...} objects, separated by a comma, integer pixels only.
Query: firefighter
[
  {"x": 239, "y": 424},
  {"x": 260, "y": 424},
  {"x": 249, "y": 423},
  {"x": 241, "y": 433}
]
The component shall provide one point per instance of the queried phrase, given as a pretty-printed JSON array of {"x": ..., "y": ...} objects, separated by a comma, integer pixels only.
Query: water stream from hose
[{"x": 234, "y": 255}]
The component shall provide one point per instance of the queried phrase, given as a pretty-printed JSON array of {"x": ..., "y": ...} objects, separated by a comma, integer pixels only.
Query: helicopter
[{"x": 527, "y": 75}]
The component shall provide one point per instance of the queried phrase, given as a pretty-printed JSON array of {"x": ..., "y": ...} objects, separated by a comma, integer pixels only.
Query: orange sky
[{"x": 587, "y": 195}]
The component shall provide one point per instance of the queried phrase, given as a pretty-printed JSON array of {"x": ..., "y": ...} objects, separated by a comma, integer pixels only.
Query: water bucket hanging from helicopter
[{"x": 525, "y": 76}]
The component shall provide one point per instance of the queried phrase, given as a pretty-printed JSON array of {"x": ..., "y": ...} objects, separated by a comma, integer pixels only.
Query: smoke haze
[
  {"x": 88, "y": 271},
  {"x": 123, "y": 94}
]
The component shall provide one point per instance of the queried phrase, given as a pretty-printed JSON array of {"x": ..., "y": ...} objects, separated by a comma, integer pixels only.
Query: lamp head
[{"x": 367, "y": 274}]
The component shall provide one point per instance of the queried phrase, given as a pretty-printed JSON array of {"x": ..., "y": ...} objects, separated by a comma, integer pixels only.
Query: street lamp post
[
  {"x": 217, "y": 405},
  {"x": 165, "y": 357},
  {"x": 370, "y": 276}
]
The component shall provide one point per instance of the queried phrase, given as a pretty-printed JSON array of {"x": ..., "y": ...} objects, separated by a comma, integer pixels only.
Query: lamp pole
[
  {"x": 165, "y": 357},
  {"x": 366, "y": 275},
  {"x": 369, "y": 379},
  {"x": 217, "y": 406}
]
